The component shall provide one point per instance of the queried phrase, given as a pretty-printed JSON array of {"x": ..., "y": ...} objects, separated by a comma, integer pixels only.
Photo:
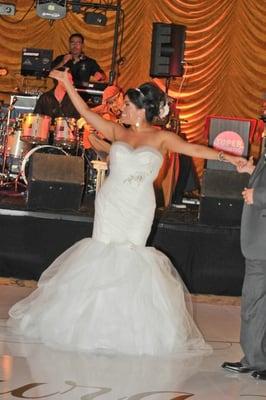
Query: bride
[{"x": 110, "y": 292}]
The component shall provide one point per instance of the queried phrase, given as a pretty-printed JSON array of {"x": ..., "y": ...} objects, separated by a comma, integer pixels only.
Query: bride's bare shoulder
[{"x": 121, "y": 132}]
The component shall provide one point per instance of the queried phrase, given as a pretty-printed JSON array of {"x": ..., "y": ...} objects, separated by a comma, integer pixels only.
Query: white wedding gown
[{"x": 110, "y": 292}]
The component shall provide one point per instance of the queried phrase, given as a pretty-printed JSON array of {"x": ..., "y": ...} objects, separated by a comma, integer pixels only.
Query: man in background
[
  {"x": 110, "y": 109},
  {"x": 56, "y": 103},
  {"x": 82, "y": 68}
]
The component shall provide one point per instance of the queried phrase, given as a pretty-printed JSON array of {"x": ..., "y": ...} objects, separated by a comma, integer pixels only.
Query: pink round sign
[{"x": 229, "y": 141}]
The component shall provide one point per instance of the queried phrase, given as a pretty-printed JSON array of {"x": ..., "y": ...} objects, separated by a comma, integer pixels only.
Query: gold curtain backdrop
[{"x": 225, "y": 52}]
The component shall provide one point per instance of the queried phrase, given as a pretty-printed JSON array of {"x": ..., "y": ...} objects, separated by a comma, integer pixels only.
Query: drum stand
[
  {"x": 101, "y": 168},
  {"x": 5, "y": 131},
  {"x": 93, "y": 183},
  {"x": 5, "y": 177}
]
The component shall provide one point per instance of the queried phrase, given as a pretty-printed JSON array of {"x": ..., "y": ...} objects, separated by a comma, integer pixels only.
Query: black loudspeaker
[
  {"x": 228, "y": 134},
  {"x": 167, "y": 50},
  {"x": 221, "y": 197},
  {"x": 55, "y": 182},
  {"x": 36, "y": 62}
]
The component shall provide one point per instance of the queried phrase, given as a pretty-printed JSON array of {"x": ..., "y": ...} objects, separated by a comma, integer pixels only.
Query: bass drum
[
  {"x": 15, "y": 151},
  {"x": 47, "y": 149},
  {"x": 15, "y": 147}
]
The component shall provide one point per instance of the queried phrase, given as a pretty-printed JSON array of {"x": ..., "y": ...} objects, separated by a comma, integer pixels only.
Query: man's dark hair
[{"x": 79, "y": 35}]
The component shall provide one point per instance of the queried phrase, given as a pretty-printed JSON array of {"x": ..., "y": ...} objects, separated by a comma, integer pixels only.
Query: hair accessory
[
  {"x": 164, "y": 110},
  {"x": 140, "y": 92}
]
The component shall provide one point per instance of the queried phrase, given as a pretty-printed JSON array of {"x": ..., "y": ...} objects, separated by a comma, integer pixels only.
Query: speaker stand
[{"x": 167, "y": 84}]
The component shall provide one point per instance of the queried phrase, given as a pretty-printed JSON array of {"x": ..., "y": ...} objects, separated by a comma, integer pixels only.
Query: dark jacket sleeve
[
  {"x": 39, "y": 107},
  {"x": 95, "y": 67}
]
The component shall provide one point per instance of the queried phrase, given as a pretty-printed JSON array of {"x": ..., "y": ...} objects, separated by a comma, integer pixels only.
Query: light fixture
[
  {"x": 95, "y": 18},
  {"x": 7, "y": 9},
  {"x": 76, "y": 6},
  {"x": 53, "y": 9}
]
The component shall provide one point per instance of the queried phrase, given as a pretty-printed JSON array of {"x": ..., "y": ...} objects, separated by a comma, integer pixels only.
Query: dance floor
[{"x": 30, "y": 370}]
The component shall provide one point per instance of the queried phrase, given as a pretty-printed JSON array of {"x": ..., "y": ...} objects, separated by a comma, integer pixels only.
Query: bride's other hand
[
  {"x": 237, "y": 161},
  {"x": 248, "y": 167}
]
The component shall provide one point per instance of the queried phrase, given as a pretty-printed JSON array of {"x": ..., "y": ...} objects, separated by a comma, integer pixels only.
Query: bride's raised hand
[{"x": 61, "y": 76}]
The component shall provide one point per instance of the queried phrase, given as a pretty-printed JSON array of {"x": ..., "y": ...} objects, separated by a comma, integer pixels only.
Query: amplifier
[
  {"x": 221, "y": 199},
  {"x": 55, "y": 182},
  {"x": 36, "y": 62}
]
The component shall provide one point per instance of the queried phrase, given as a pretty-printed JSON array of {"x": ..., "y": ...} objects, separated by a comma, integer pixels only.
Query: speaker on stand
[
  {"x": 167, "y": 61},
  {"x": 167, "y": 50}
]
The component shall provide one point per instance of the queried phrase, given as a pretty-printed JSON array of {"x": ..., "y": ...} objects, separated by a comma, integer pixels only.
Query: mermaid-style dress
[{"x": 110, "y": 292}]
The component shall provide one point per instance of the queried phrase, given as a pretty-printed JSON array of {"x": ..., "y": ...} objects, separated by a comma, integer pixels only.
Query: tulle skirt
[{"x": 115, "y": 298}]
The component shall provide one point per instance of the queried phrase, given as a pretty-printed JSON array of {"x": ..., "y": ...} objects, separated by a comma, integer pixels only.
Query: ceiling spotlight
[
  {"x": 7, "y": 9},
  {"x": 76, "y": 6},
  {"x": 94, "y": 18},
  {"x": 53, "y": 9}
]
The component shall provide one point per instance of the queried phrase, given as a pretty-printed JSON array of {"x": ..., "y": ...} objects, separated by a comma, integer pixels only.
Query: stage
[{"x": 207, "y": 257}]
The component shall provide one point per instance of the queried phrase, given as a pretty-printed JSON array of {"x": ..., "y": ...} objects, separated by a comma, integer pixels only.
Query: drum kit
[{"x": 21, "y": 137}]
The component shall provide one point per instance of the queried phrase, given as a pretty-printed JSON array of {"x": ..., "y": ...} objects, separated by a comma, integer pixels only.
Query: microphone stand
[
  {"x": 4, "y": 180},
  {"x": 5, "y": 141},
  {"x": 263, "y": 137}
]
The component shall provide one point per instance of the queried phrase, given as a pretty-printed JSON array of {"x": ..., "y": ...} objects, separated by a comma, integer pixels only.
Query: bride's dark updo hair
[{"x": 148, "y": 96}]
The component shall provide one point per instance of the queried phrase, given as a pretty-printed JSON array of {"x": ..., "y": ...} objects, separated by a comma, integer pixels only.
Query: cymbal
[{"x": 18, "y": 93}]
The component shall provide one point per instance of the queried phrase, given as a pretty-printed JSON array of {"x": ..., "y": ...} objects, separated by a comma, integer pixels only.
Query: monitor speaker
[
  {"x": 55, "y": 182},
  {"x": 221, "y": 197},
  {"x": 36, "y": 62},
  {"x": 167, "y": 50}
]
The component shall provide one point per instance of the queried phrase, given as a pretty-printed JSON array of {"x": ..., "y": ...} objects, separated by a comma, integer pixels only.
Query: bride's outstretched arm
[
  {"x": 109, "y": 129},
  {"x": 174, "y": 143}
]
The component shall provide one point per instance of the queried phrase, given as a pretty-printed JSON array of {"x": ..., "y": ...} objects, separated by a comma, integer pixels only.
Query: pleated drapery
[{"x": 225, "y": 52}]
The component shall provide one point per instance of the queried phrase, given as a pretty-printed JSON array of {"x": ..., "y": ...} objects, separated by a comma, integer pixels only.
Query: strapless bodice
[
  {"x": 125, "y": 204},
  {"x": 134, "y": 166}
]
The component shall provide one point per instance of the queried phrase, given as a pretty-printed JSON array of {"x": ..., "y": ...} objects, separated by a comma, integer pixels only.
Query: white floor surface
[{"x": 33, "y": 371}]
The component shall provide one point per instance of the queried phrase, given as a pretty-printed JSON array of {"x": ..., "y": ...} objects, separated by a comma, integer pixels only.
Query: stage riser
[
  {"x": 28, "y": 245},
  {"x": 208, "y": 259}
]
